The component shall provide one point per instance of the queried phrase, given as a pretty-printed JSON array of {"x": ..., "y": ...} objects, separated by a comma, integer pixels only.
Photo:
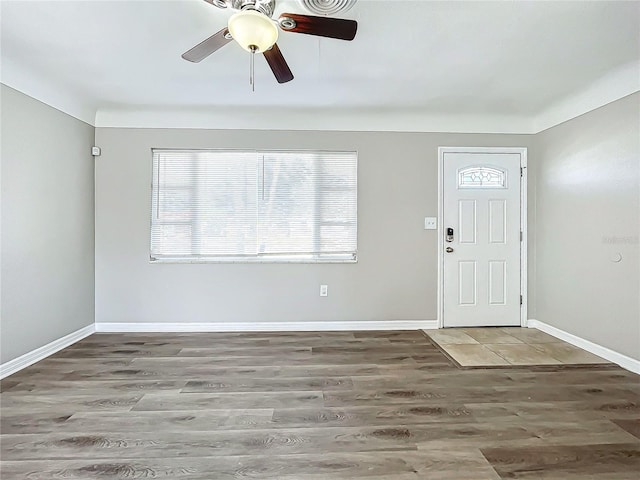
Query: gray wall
[
  {"x": 394, "y": 279},
  {"x": 588, "y": 206},
  {"x": 47, "y": 224}
]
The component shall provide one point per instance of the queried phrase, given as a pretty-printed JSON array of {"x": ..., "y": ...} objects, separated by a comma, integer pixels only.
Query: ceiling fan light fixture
[{"x": 251, "y": 28}]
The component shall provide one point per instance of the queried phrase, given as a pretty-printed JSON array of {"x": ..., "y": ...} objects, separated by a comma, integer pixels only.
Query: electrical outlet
[{"x": 324, "y": 291}]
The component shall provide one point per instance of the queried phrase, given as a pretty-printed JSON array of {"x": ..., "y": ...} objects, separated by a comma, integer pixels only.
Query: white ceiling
[{"x": 488, "y": 61}]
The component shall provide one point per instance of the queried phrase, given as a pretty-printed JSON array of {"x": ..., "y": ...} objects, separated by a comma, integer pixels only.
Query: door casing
[{"x": 522, "y": 151}]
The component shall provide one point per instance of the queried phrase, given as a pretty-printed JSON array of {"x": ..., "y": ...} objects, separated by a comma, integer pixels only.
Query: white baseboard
[
  {"x": 624, "y": 361},
  {"x": 268, "y": 326},
  {"x": 23, "y": 361}
]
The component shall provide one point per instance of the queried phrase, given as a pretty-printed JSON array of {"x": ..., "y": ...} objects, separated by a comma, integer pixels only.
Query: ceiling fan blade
[
  {"x": 278, "y": 64},
  {"x": 322, "y": 26},
  {"x": 207, "y": 47}
]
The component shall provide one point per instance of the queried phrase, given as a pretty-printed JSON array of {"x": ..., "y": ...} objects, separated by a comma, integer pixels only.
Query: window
[
  {"x": 482, "y": 177},
  {"x": 231, "y": 205}
]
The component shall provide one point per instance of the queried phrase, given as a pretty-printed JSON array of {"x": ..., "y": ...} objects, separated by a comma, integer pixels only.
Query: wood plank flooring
[{"x": 326, "y": 405}]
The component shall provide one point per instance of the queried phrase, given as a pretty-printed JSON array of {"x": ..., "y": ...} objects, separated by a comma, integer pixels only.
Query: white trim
[
  {"x": 524, "y": 228},
  {"x": 23, "y": 361},
  {"x": 624, "y": 361},
  {"x": 268, "y": 326},
  {"x": 346, "y": 119},
  {"x": 440, "y": 233},
  {"x": 522, "y": 151}
]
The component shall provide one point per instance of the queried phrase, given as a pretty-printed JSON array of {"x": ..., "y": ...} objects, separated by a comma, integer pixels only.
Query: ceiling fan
[{"x": 253, "y": 27}]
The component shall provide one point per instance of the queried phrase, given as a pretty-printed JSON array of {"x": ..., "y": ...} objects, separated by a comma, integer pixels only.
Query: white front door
[{"x": 481, "y": 225}]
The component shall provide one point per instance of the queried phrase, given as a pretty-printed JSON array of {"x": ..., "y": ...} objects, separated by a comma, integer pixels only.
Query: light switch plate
[{"x": 430, "y": 223}]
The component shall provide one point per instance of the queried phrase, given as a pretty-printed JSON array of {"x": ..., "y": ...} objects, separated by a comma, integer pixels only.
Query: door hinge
[
  {"x": 520, "y": 236},
  {"x": 520, "y": 299},
  {"x": 521, "y": 171}
]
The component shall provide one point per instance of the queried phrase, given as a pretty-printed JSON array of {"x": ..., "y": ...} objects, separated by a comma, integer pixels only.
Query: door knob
[{"x": 449, "y": 250}]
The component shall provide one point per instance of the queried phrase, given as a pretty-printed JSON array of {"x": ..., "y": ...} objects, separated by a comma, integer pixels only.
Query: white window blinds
[{"x": 217, "y": 205}]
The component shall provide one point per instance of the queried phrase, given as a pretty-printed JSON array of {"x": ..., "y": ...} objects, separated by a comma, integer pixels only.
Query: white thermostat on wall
[{"x": 95, "y": 151}]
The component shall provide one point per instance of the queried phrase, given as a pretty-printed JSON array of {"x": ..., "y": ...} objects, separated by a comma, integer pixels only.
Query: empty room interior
[{"x": 320, "y": 239}]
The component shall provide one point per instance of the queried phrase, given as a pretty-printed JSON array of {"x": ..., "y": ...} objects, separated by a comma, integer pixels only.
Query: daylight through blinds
[{"x": 244, "y": 205}]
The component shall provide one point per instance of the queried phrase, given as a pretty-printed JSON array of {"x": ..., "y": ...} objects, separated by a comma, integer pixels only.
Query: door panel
[
  {"x": 468, "y": 283},
  {"x": 481, "y": 273},
  {"x": 497, "y": 221},
  {"x": 467, "y": 221},
  {"x": 497, "y": 282}
]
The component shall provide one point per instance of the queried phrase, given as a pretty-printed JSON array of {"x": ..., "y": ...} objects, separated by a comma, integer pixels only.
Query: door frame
[{"x": 522, "y": 151}]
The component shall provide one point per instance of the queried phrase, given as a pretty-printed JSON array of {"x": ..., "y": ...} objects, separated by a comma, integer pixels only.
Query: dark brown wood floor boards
[
  {"x": 17, "y": 422},
  {"x": 140, "y": 445},
  {"x": 336, "y": 466},
  {"x": 631, "y": 426},
  {"x": 604, "y": 461},
  {"x": 312, "y": 406},
  {"x": 206, "y": 401}
]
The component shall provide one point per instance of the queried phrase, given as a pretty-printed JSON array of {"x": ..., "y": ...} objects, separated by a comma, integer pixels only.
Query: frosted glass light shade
[{"x": 250, "y": 27}]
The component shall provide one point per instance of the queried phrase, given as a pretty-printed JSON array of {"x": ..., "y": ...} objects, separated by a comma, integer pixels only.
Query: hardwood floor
[{"x": 326, "y": 405}]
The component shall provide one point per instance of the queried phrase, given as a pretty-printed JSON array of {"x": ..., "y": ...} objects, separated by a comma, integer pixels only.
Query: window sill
[{"x": 249, "y": 261}]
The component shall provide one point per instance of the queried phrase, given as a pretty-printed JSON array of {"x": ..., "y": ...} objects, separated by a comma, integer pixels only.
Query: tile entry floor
[{"x": 493, "y": 347}]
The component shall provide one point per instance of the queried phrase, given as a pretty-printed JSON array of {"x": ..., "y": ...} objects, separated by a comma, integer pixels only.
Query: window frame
[{"x": 267, "y": 258}]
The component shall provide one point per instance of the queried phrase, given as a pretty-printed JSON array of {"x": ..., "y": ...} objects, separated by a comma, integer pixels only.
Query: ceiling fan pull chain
[{"x": 252, "y": 79}]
